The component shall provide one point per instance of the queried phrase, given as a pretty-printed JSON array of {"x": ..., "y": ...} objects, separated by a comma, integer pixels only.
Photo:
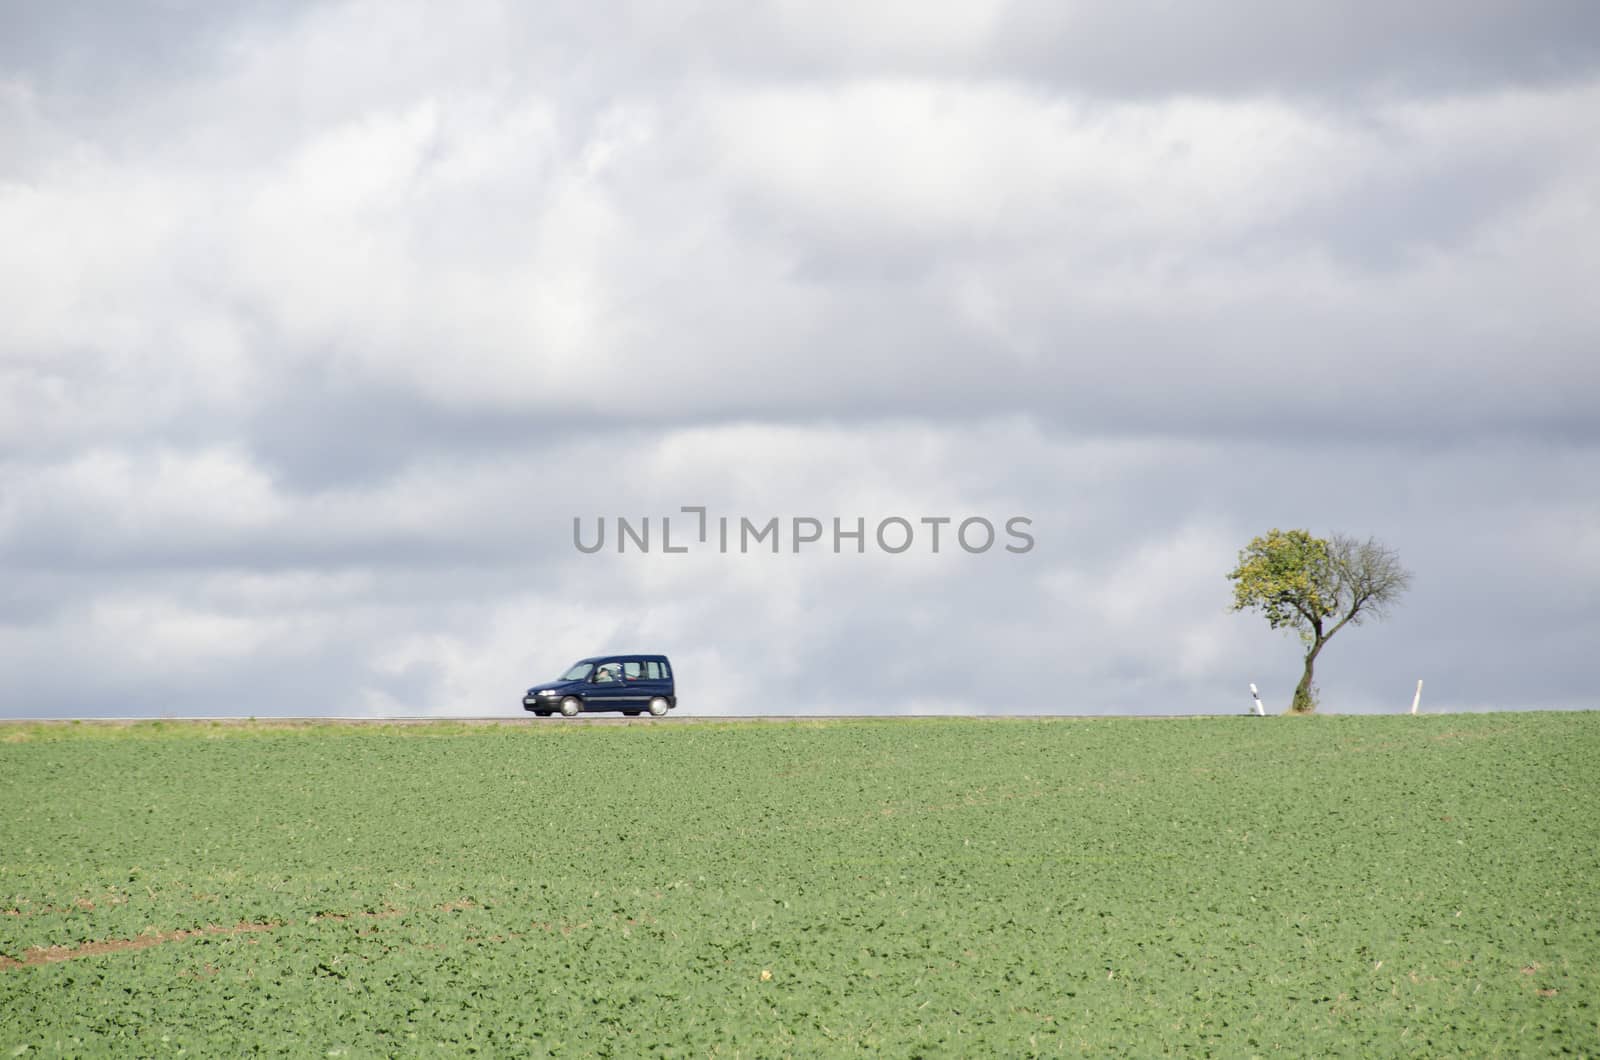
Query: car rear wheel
[
  {"x": 658, "y": 707},
  {"x": 570, "y": 707},
  {"x": 632, "y": 713}
]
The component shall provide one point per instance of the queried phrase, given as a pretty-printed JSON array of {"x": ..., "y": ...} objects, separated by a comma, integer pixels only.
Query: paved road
[{"x": 582, "y": 719}]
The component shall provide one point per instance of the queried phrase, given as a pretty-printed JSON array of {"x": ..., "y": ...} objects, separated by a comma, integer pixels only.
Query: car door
[
  {"x": 637, "y": 688},
  {"x": 606, "y": 686}
]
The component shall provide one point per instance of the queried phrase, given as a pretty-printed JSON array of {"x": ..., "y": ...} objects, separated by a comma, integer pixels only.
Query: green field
[{"x": 1227, "y": 886}]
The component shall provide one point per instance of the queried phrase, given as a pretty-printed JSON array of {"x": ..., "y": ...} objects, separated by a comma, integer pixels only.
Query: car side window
[
  {"x": 652, "y": 670},
  {"x": 607, "y": 672},
  {"x": 632, "y": 670}
]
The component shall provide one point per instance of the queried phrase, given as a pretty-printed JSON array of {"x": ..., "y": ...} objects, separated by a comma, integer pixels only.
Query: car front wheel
[{"x": 570, "y": 707}]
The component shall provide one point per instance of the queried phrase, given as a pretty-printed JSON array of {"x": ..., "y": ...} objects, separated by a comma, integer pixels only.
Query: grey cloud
[
  {"x": 330, "y": 322},
  {"x": 103, "y": 48},
  {"x": 1322, "y": 48},
  {"x": 1390, "y": 220},
  {"x": 729, "y": 298},
  {"x": 598, "y": 51},
  {"x": 317, "y": 435},
  {"x": 1098, "y": 618},
  {"x": 1144, "y": 48}
]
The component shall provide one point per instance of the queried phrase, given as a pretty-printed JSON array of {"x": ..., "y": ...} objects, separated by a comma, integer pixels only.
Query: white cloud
[
  {"x": 312, "y": 345},
  {"x": 925, "y": 159}
]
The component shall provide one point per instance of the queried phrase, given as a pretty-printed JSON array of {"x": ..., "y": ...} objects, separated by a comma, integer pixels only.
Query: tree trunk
[{"x": 1305, "y": 701}]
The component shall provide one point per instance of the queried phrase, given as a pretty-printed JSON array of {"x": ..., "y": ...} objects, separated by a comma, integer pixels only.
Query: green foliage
[
  {"x": 1345, "y": 886},
  {"x": 1287, "y": 576}
]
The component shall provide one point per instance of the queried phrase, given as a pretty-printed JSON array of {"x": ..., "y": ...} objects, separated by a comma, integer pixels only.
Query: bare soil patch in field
[{"x": 55, "y": 954}]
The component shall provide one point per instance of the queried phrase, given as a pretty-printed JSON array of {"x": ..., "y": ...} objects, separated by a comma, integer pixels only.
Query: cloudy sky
[{"x": 320, "y": 324}]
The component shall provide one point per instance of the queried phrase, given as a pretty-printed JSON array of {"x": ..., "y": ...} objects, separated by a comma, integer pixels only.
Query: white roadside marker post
[
  {"x": 1416, "y": 699},
  {"x": 1259, "y": 710}
]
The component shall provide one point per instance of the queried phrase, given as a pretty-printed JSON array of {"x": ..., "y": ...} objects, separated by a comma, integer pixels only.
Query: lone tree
[{"x": 1316, "y": 587}]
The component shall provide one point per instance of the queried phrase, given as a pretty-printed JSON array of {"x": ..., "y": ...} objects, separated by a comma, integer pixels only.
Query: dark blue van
[{"x": 632, "y": 684}]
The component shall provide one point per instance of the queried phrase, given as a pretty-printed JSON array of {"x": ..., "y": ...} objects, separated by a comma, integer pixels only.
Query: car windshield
[{"x": 579, "y": 672}]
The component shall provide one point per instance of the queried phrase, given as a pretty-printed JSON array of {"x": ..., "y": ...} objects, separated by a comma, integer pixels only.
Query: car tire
[
  {"x": 632, "y": 713},
  {"x": 659, "y": 707},
  {"x": 570, "y": 707}
]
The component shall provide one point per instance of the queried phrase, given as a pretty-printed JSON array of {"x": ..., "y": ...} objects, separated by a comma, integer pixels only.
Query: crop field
[{"x": 953, "y": 887}]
